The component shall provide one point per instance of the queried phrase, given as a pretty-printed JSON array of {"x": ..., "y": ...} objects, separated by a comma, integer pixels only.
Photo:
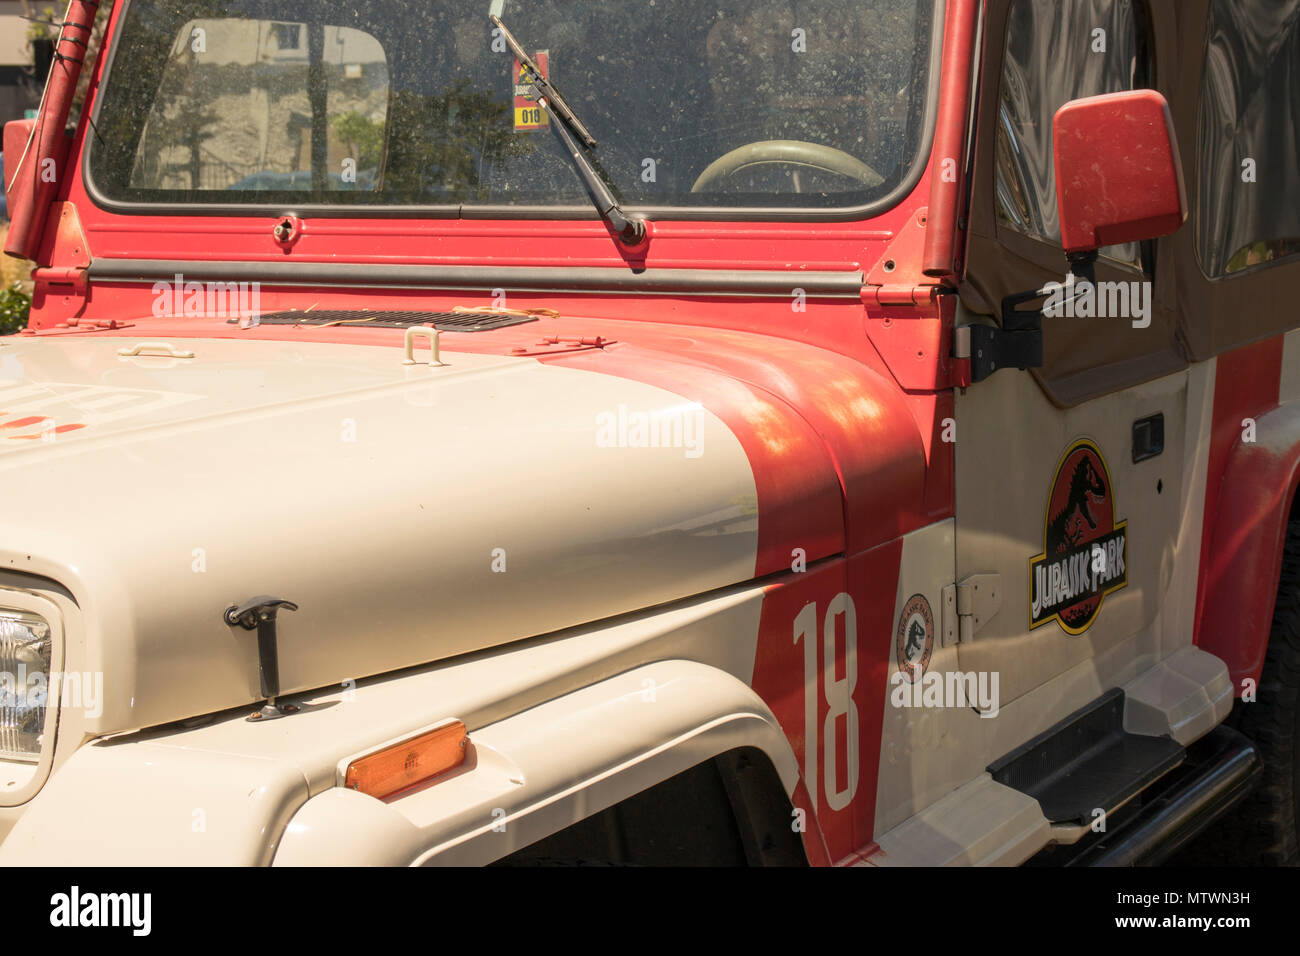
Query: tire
[{"x": 1262, "y": 828}]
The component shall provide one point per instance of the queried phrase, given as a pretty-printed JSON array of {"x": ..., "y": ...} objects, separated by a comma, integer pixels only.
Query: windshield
[{"x": 734, "y": 104}]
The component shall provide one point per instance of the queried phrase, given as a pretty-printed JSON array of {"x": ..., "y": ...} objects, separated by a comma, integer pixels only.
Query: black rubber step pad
[{"x": 1087, "y": 762}]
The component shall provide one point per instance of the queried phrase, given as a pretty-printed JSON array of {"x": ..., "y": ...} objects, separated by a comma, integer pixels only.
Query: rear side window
[
  {"x": 1057, "y": 51},
  {"x": 1248, "y": 136}
]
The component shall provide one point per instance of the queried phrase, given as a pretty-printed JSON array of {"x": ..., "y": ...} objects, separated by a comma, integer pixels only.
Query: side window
[
  {"x": 1057, "y": 51},
  {"x": 1248, "y": 137},
  {"x": 240, "y": 107}
]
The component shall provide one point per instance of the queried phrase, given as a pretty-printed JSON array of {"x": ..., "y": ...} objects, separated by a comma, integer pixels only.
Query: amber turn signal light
[{"x": 409, "y": 762}]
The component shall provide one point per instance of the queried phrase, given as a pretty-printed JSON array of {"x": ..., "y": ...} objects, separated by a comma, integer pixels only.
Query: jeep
[{"x": 757, "y": 432}]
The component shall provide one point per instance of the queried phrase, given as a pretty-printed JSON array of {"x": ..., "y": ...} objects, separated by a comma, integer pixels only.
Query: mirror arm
[
  {"x": 1019, "y": 342},
  {"x": 1083, "y": 266}
]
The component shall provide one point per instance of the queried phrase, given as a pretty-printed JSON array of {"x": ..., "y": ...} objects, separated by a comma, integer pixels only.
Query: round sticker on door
[
  {"x": 915, "y": 639},
  {"x": 1084, "y": 547}
]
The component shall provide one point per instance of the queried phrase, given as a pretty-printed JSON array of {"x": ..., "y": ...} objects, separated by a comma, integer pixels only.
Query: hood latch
[{"x": 259, "y": 613}]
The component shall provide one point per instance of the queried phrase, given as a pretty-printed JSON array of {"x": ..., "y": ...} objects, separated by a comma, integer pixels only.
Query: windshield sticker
[
  {"x": 529, "y": 117},
  {"x": 1084, "y": 547}
]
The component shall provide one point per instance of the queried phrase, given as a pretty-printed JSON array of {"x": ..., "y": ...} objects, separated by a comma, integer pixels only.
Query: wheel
[
  {"x": 787, "y": 152},
  {"x": 1262, "y": 828}
]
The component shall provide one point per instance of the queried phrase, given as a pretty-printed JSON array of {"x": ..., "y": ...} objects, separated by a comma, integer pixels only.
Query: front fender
[
  {"x": 539, "y": 771},
  {"x": 1244, "y": 560},
  {"x": 218, "y": 790}
]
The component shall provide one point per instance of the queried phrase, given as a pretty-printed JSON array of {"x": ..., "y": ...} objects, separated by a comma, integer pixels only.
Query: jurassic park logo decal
[
  {"x": 914, "y": 641},
  {"x": 1084, "y": 547}
]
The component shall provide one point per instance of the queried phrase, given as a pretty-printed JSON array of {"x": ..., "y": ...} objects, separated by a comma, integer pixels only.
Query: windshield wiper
[{"x": 630, "y": 229}]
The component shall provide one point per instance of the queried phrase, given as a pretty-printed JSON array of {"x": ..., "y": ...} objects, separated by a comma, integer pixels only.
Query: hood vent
[{"x": 442, "y": 321}]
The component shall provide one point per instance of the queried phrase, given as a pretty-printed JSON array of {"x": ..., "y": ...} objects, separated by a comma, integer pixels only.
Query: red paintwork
[
  {"x": 871, "y": 580},
  {"x": 865, "y": 423},
  {"x": 23, "y": 422},
  {"x": 1248, "y": 493},
  {"x": 950, "y": 138},
  {"x": 1118, "y": 176}
]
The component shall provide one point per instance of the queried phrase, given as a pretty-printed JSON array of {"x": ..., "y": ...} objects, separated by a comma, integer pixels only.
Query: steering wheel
[{"x": 787, "y": 152}]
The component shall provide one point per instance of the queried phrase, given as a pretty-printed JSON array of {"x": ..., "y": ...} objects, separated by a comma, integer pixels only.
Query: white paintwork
[
  {"x": 111, "y": 824},
  {"x": 1289, "y": 385},
  {"x": 141, "y": 803},
  {"x": 1004, "y": 477},
  {"x": 980, "y": 824},
  {"x": 544, "y": 769},
  {"x": 1181, "y": 565},
  {"x": 929, "y": 754},
  {"x": 1185, "y": 696},
  {"x": 371, "y": 494},
  {"x": 913, "y": 740}
]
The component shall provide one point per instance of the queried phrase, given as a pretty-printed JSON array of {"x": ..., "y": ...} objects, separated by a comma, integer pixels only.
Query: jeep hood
[{"x": 412, "y": 513}]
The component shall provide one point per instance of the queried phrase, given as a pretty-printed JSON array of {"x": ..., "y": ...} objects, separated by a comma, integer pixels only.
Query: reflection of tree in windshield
[
  {"x": 183, "y": 120},
  {"x": 440, "y": 146},
  {"x": 364, "y": 138}
]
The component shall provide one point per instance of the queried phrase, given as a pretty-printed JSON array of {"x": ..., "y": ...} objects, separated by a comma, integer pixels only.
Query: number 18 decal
[{"x": 839, "y": 698}]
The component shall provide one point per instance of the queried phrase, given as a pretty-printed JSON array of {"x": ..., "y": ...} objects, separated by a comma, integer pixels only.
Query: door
[{"x": 1074, "y": 514}]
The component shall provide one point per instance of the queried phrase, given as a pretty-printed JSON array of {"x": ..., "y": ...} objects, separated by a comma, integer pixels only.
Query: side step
[
  {"x": 1087, "y": 762},
  {"x": 1222, "y": 768}
]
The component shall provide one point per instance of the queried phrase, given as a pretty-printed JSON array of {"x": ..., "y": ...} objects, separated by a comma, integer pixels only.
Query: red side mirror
[{"x": 1118, "y": 176}]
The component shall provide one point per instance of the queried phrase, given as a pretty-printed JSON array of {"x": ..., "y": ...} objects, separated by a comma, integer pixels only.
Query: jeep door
[{"x": 1077, "y": 503}]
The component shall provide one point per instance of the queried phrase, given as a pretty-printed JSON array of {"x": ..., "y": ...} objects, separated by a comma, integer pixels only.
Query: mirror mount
[{"x": 1019, "y": 342}]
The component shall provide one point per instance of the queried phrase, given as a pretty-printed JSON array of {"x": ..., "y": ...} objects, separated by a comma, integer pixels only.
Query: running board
[
  {"x": 1221, "y": 769},
  {"x": 1086, "y": 766}
]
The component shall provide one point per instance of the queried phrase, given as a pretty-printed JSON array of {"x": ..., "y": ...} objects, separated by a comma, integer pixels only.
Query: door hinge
[
  {"x": 989, "y": 348},
  {"x": 74, "y": 276},
  {"x": 968, "y": 605},
  {"x": 902, "y": 293}
]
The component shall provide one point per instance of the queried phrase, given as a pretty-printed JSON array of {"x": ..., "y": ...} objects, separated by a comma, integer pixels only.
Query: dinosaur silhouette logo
[
  {"x": 1084, "y": 547},
  {"x": 915, "y": 640}
]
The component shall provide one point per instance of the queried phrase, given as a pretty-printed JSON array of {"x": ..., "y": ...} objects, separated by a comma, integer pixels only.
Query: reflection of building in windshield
[
  {"x": 234, "y": 109},
  {"x": 830, "y": 73}
]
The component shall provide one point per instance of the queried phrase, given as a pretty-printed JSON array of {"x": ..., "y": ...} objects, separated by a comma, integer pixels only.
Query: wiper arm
[{"x": 630, "y": 229}]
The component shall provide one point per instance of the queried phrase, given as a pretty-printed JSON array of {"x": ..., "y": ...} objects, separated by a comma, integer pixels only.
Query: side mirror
[
  {"x": 1118, "y": 175},
  {"x": 1118, "y": 179}
]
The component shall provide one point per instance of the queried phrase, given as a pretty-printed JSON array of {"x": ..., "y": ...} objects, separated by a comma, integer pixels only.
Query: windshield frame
[{"x": 919, "y": 162}]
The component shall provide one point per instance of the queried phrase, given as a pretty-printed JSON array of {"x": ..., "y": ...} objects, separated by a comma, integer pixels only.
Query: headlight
[{"x": 26, "y": 648}]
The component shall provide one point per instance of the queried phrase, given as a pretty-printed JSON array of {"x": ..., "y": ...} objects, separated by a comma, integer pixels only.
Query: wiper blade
[
  {"x": 630, "y": 229},
  {"x": 555, "y": 102}
]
